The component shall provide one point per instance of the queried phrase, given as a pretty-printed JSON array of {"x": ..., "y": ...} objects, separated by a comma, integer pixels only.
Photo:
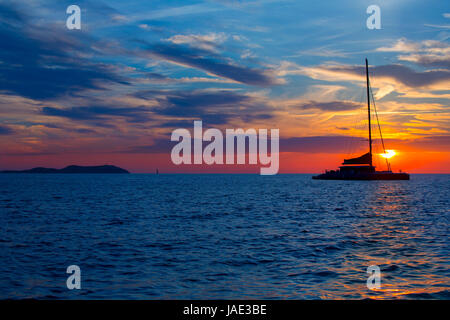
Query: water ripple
[{"x": 223, "y": 237}]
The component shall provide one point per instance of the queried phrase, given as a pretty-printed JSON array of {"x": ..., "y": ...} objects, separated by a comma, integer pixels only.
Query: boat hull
[{"x": 363, "y": 176}]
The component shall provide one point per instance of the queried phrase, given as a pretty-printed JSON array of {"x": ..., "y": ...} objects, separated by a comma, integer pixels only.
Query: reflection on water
[
  {"x": 223, "y": 236},
  {"x": 395, "y": 231}
]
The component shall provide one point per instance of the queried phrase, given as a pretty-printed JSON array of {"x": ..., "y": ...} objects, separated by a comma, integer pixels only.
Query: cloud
[
  {"x": 438, "y": 79},
  {"x": 321, "y": 52},
  {"x": 319, "y": 144},
  {"x": 430, "y": 53},
  {"x": 430, "y": 59},
  {"x": 330, "y": 106},
  {"x": 42, "y": 62},
  {"x": 213, "y": 107},
  {"x": 154, "y": 78},
  {"x": 160, "y": 145},
  {"x": 132, "y": 114},
  {"x": 437, "y": 26},
  {"x": 200, "y": 8},
  {"x": 384, "y": 91},
  {"x": 327, "y": 92},
  {"x": 401, "y": 45},
  {"x": 385, "y": 77},
  {"x": 5, "y": 130},
  {"x": 406, "y": 81},
  {"x": 207, "y": 42},
  {"x": 212, "y": 63},
  {"x": 340, "y": 144},
  {"x": 394, "y": 72},
  {"x": 85, "y": 131},
  {"x": 189, "y": 100},
  {"x": 432, "y": 143}
]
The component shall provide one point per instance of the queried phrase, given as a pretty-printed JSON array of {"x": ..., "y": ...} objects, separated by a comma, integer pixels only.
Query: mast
[{"x": 368, "y": 112}]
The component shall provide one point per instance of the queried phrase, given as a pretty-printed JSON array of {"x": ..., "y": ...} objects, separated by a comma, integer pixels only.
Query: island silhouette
[{"x": 72, "y": 169}]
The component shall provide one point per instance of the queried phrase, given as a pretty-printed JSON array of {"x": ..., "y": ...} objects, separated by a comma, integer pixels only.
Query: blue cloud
[
  {"x": 40, "y": 63},
  {"x": 5, "y": 130},
  {"x": 211, "y": 63},
  {"x": 132, "y": 114},
  {"x": 213, "y": 108},
  {"x": 331, "y": 106}
]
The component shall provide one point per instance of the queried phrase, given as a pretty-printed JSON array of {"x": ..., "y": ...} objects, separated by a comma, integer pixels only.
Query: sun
[{"x": 389, "y": 154}]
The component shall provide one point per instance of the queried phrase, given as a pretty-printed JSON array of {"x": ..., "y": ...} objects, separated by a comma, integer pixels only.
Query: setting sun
[{"x": 389, "y": 154}]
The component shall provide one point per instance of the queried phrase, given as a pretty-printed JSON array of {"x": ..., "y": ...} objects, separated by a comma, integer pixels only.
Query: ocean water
[{"x": 143, "y": 236}]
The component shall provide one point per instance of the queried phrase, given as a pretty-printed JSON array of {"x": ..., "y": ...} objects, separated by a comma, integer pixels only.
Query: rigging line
[{"x": 379, "y": 127}]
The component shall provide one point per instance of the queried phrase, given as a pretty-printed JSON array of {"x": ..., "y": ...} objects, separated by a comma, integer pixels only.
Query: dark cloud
[
  {"x": 178, "y": 108},
  {"x": 50, "y": 125},
  {"x": 430, "y": 60},
  {"x": 316, "y": 144},
  {"x": 66, "y": 128},
  {"x": 331, "y": 106},
  {"x": 176, "y": 124},
  {"x": 5, "y": 130},
  {"x": 45, "y": 62},
  {"x": 189, "y": 100},
  {"x": 157, "y": 76},
  {"x": 400, "y": 73},
  {"x": 430, "y": 143},
  {"x": 342, "y": 144},
  {"x": 412, "y": 78},
  {"x": 132, "y": 114},
  {"x": 320, "y": 144},
  {"x": 158, "y": 146},
  {"x": 211, "y": 63},
  {"x": 214, "y": 108},
  {"x": 85, "y": 131}
]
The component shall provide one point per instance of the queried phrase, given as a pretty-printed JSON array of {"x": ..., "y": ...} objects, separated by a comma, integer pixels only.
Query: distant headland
[{"x": 72, "y": 169}]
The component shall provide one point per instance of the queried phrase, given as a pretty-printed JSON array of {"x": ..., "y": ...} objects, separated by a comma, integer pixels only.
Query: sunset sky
[{"x": 114, "y": 91}]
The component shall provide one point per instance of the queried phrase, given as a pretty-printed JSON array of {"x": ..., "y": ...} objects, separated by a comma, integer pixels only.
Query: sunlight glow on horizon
[{"x": 389, "y": 154}]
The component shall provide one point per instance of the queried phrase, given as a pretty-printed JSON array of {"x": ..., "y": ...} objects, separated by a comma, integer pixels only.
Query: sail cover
[{"x": 364, "y": 159}]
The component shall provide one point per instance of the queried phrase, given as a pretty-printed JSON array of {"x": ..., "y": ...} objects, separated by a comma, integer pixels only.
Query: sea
[{"x": 213, "y": 236}]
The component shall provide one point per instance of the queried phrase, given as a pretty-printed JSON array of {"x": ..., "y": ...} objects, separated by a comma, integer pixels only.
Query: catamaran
[{"x": 362, "y": 168}]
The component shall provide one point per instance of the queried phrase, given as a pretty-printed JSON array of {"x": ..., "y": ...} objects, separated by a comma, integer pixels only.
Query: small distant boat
[{"x": 361, "y": 168}]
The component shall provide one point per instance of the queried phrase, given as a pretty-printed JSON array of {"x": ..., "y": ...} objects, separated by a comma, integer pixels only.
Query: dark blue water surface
[{"x": 223, "y": 236}]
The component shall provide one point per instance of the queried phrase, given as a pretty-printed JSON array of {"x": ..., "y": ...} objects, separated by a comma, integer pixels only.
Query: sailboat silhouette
[{"x": 361, "y": 168}]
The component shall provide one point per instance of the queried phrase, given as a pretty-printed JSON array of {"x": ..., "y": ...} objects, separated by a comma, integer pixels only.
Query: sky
[{"x": 113, "y": 92}]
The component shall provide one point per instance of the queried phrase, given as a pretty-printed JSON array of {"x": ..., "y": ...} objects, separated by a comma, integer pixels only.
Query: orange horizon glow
[{"x": 290, "y": 162}]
